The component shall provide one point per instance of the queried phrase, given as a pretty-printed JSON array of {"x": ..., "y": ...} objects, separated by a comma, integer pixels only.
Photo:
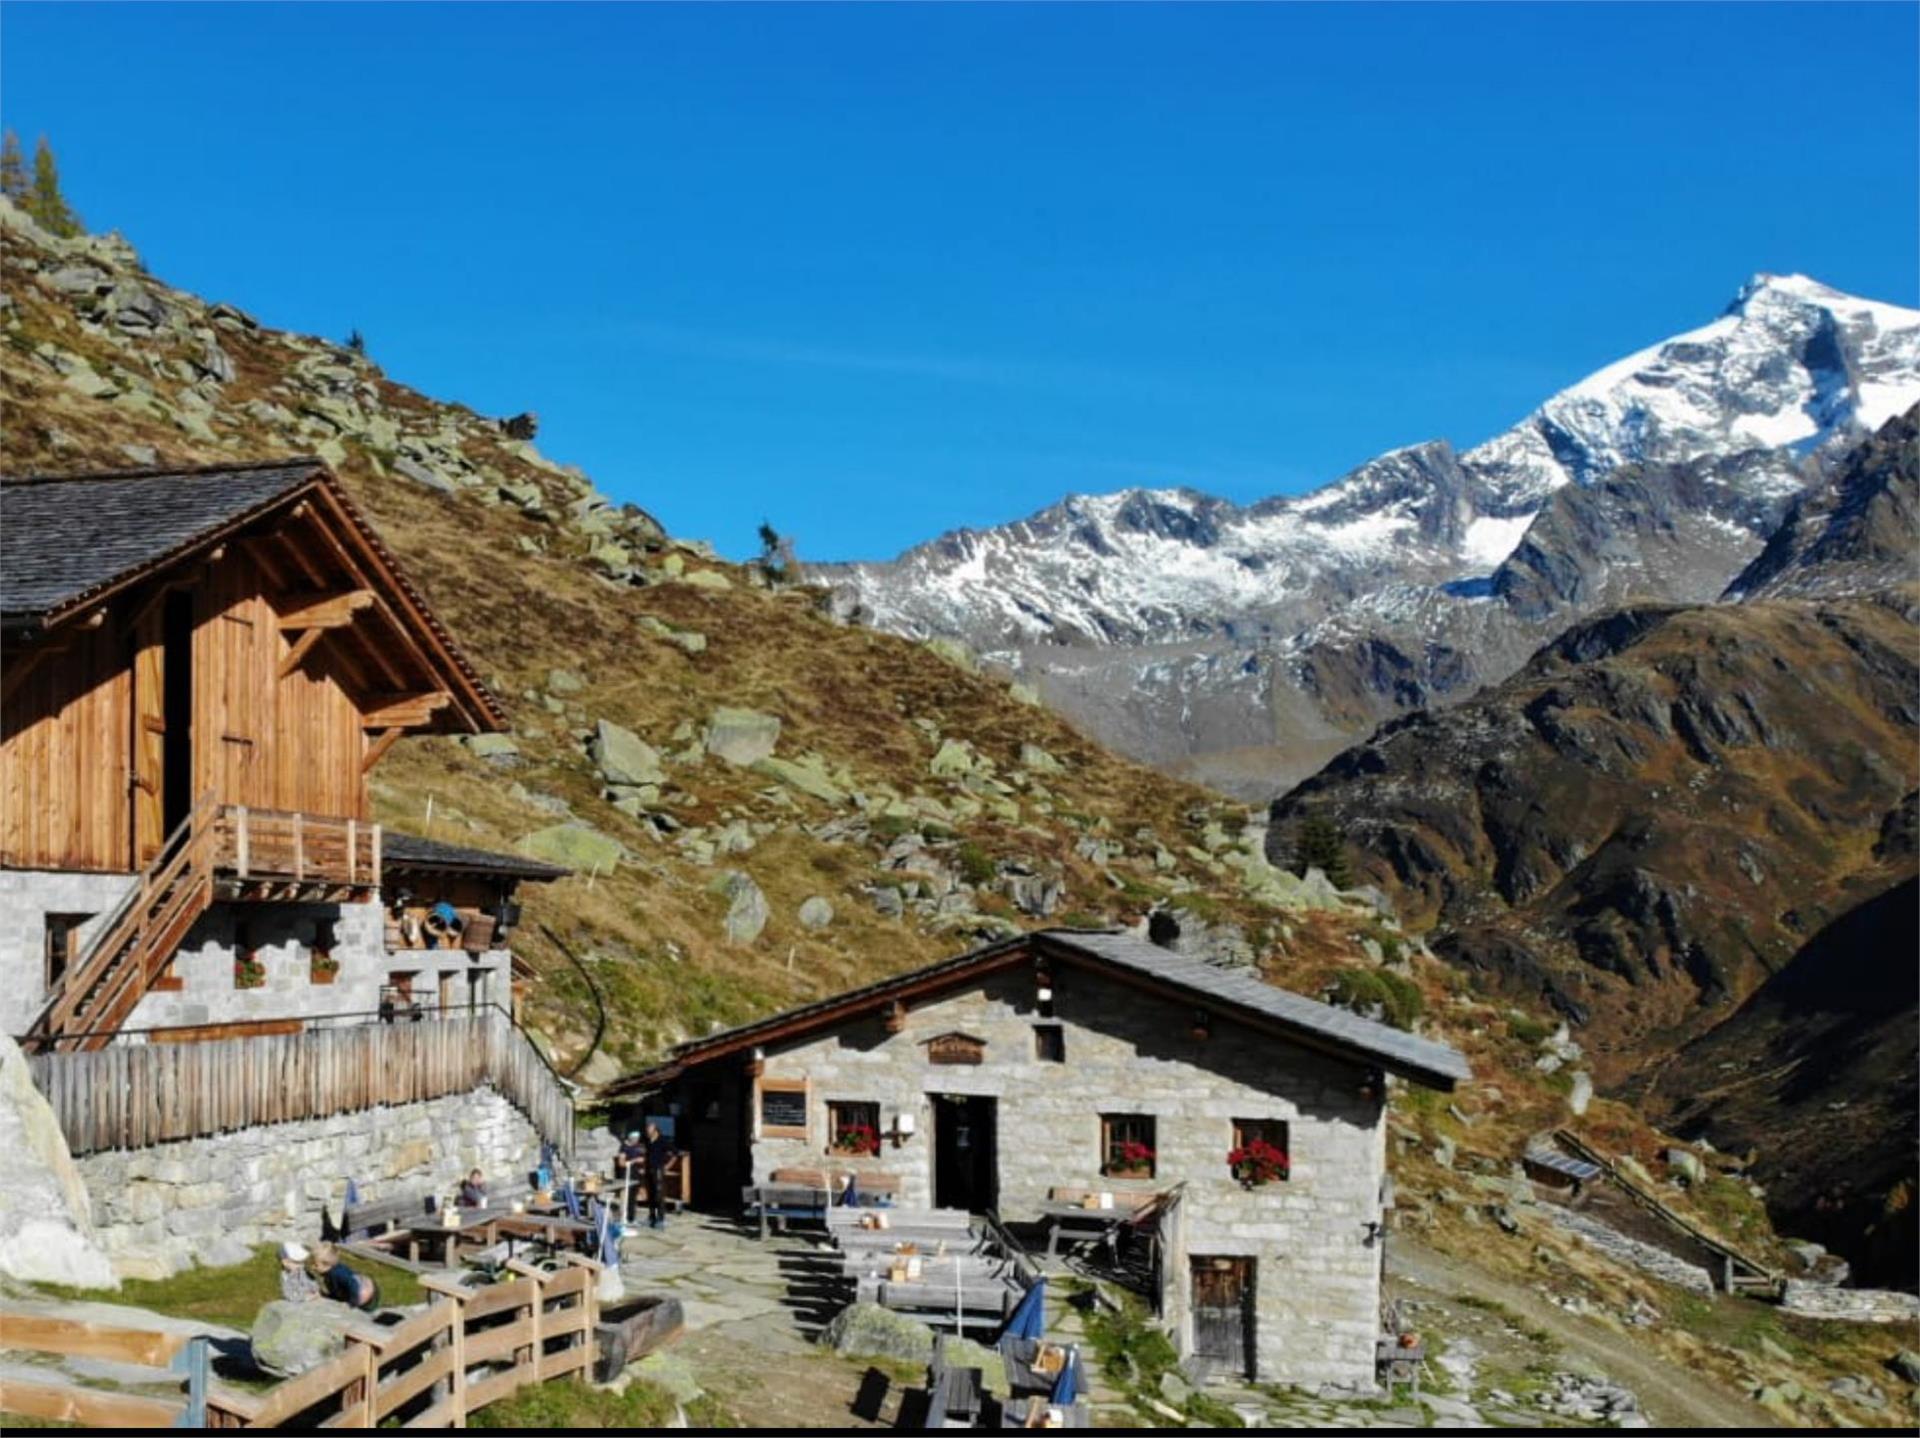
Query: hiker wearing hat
[
  {"x": 628, "y": 1164},
  {"x": 297, "y": 1285}
]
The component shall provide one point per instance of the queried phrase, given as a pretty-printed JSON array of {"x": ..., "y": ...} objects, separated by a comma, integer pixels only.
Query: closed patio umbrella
[
  {"x": 1029, "y": 1316},
  {"x": 1066, "y": 1388}
]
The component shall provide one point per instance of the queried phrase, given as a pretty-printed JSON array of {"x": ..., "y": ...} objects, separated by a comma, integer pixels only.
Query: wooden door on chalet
[
  {"x": 147, "y": 776},
  {"x": 160, "y": 728},
  {"x": 1223, "y": 1314}
]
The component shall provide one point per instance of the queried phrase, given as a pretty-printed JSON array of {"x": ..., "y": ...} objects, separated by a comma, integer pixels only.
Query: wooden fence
[
  {"x": 469, "y": 1347},
  {"x": 133, "y": 1095}
]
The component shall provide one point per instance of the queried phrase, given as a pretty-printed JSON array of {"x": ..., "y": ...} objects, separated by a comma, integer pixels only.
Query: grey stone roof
[
  {"x": 1424, "y": 1060},
  {"x": 410, "y": 851},
  {"x": 63, "y": 538}
]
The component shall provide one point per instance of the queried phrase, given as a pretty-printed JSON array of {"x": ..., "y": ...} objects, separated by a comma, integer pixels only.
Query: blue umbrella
[
  {"x": 850, "y": 1198},
  {"x": 570, "y": 1199},
  {"x": 609, "y": 1239},
  {"x": 1029, "y": 1316},
  {"x": 1066, "y": 1388},
  {"x": 353, "y": 1193}
]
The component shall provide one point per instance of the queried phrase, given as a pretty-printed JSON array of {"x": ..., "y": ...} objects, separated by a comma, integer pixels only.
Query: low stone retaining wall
[
  {"x": 1853, "y": 1305},
  {"x": 1632, "y": 1252},
  {"x": 210, "y": 1200}
]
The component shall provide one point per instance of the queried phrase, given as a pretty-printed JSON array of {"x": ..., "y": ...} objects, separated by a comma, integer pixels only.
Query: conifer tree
[
  {"x": 1318, "y": 845},
  {"x": 13, "y": 169},
  {"x": 45, "y": 203}
]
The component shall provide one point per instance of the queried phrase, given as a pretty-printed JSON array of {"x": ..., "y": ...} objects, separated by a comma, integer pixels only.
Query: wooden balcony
[{"x": 274, "y": 854}]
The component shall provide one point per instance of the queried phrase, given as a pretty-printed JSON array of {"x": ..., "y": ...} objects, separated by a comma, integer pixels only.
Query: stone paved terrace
[{"x": 753, "y": 1309}]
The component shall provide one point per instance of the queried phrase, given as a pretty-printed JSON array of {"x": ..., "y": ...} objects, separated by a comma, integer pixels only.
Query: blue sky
[{"x": 875, "y": 272}]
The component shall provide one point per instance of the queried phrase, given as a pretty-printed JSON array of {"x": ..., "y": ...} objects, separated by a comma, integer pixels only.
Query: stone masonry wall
[
  {"x": 26, "y": 898},
  {"x": 210, "y": 1200},
  {"x": 1317, "y": 1276},
  {"x": 283, "y": 936}
]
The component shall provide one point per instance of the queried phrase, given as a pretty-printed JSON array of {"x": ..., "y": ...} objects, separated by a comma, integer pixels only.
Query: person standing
[
  {"x": 628, "y": 1165},
  {"x": 659, "y": 1154}
]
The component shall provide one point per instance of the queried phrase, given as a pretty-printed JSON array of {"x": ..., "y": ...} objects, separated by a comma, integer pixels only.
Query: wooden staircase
[{"x": 104, "y": 983}]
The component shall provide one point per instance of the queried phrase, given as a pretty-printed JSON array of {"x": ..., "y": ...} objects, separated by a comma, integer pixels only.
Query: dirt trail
[{"x": 1674, "y": 1396}]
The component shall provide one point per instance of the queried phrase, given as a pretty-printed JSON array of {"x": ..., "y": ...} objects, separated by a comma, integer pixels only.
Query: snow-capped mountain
[{"x": 1204, "y": 635}]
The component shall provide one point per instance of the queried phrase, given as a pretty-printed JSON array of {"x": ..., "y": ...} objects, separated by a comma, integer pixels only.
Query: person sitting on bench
[
  {"x": 341, "y": 1283},
  {"x": 297, "y": 1285},
  {"x": 473, "y": 1193}
]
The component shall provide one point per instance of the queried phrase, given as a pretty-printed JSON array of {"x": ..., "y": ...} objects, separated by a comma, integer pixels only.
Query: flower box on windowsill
[
  {"x": 323, "y": 976},
  {"x": 1136, "y": 1171}
]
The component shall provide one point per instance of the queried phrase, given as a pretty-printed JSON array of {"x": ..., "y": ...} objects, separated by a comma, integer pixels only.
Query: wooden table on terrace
[
  {"x": 482, "y": 1228},
  {"x": 1087, "y": 1225}
]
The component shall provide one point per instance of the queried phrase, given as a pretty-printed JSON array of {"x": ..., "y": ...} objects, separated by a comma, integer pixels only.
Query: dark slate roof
[
  {"x": 410, "y": 851},
  {"x": 63, "y": 539},
  {"x": 1401, "y": 1052},
  {"x": 1422, "y": 1060}
]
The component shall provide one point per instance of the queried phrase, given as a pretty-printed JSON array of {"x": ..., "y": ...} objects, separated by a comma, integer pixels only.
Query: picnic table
[
  {"x": 484, "y": 1228},
  {"x": 1089, "y": 1225}
]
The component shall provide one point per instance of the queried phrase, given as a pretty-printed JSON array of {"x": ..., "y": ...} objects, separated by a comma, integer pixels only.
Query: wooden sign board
[{"x": 956, "y": 1048}]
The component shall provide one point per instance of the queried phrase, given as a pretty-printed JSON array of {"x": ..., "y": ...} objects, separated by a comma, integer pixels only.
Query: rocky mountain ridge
[
  {"x": 1670, "y": 809},
  {"x": 1244, "y": 645}
]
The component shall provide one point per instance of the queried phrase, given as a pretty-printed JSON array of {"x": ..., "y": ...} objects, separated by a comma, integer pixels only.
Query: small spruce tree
[
  {"x": 13, "y": 169},
  {"x": 1318, "y": 845},
  {"x": 45, "y": 203},
  {"x": 776, "y": 559}
]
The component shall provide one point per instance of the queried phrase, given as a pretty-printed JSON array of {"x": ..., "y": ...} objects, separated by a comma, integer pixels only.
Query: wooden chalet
[{"x": 198, "y": 670}]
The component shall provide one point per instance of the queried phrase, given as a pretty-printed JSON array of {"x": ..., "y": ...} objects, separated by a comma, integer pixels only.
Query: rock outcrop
[{"x": 46, "y": 1225}]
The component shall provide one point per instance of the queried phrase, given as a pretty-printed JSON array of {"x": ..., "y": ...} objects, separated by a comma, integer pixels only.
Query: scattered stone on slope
[
  {"x": 747, "y": 911},
  {"x": 742, "y": 737},
  {"x": 816, "y": 913},
  {"x": 624, "y": 757},
  {"x": 577, "y": 846},
  {"x": 497, "y": 749},
  {"x": 808, "y": 774}
]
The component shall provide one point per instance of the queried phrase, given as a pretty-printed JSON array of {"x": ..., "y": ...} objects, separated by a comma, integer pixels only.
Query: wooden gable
[{"x": 267, "y": 661}]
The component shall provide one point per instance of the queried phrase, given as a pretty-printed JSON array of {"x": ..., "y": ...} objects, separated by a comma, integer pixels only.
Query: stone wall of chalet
[
  {"x": 282, "y": 938},
  {"x": 210, "y": 1200},
  {"x": 1317, "y": 1274}
]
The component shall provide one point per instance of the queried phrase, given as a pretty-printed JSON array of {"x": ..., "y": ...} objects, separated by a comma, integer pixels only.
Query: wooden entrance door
[
  {"x": 147, "y": 777},
  {"x": 1223, "y": 1314}
]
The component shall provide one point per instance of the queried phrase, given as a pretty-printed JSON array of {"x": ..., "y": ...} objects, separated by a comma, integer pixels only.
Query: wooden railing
[
  {"x": 107, "y": 979},
  {"x": 421, "y": 1373},
  {"x": 132, "y": 1095},
  {"x": 469, "y": 1347},
  {"x": 54, "y": 1399},
  {"x": 273, "y": 845}
]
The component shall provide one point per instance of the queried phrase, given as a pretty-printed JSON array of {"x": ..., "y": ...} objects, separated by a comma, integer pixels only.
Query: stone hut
[{"x": 1036, "y": 1071}]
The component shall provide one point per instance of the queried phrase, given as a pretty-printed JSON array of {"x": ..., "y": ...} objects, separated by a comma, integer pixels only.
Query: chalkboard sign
[{"x": 783, "y": 1108}]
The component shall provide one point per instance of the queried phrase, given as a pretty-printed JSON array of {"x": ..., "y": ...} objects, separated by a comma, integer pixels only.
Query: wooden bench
[
  {"x": 870, "y": 1184},
  {"x": 779, "y": 1203}
]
